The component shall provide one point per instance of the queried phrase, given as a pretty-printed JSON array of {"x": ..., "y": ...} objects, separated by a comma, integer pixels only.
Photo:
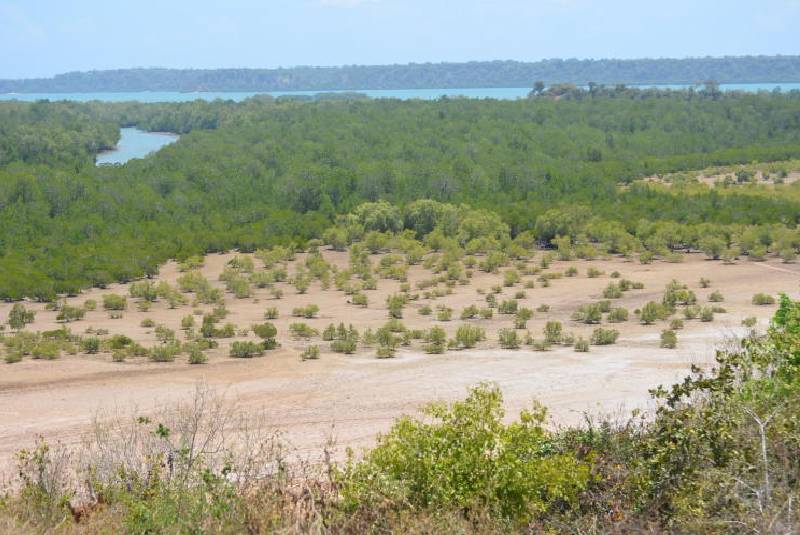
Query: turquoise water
[
  {"x": 135, "y": 143},
  {"x": 500, "y": 93}
]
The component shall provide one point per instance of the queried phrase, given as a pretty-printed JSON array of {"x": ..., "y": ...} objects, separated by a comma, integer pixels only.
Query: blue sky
[{"x": 45, "y": 37}]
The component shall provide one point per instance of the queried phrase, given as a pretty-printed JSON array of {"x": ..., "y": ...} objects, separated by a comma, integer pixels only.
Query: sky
[{"x": 40, "y": 38}]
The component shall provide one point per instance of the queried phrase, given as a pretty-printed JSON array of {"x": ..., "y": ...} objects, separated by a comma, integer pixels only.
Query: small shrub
[
  {"x": 508, "y": 339},
  {"x": 522, "y": 317},
  {"x": 469, "y": 312},
  {"x": 435, "y": 340},
  {"x": 310, "y": 353},
  {"x": 115, "y": 302},
  {"x": 593, "y": 273},
  {"x": 676, "y": 325},
  {"x": 581, "y": 345},
  {"x": 196, "y": 355},
  {"x": 553, "y": 331},
  {"x": 705, "y": 283},
  {"x": 165, "y": 352},
  {"x": 468, "y": 336},
  {"x": 271, "y": 313},
  {"x": 653, "y": 311},
  {"x": 763, "y": 299},
  {"x": 589, "y": 313},
  {"x": 246, "y": 349},
  {"x": 612, "y": 291},
  {"x": 618, "y": 315},
  {"x": 444, "y": 313},
  {"x": 716, "y": 297},
  {"x": 302, "y": 331},
  {"x": 669, "y": 340},
  {"x": 601, "y": 337},
  {"x": 90, "y": 345},
  {"x": 750, "y": 322},
  {"x": 508, "y": 307},
  {"x": 69, "y": 313}
]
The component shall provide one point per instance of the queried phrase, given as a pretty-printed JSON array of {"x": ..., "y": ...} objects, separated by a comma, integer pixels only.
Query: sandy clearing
[{"x": 354, "y": 397}]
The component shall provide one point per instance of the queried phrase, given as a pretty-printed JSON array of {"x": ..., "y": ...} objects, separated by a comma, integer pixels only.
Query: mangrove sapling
[
  {"x": 669, "y": 339},
  {"x": 601, "y": 336},
  {"x": 468, "y": 336},
  {"x": 508, "y": 339},
  {"x": 444, "y": 313},
  {"x": 521, "y": 318},
  {"x": 19, "y": 317},
  {"x": 676, "y": 324},
  {"x": 310, "y": 353},
  {"x": 618, "y": 315},
  {"x": 435, "y": 340},
  {"x": 581, "y": 345},
  {"x": 301, "y": 331},
  {"x": 763, "y": 299},
  {"x": 246, "y": 349}
]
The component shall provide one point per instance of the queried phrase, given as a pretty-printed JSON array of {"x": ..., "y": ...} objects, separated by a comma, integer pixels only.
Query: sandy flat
[{"x": 355, "y": 397}]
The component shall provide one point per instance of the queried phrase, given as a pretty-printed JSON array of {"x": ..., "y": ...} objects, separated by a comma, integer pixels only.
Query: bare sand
[{"x": 354, "y": 397}]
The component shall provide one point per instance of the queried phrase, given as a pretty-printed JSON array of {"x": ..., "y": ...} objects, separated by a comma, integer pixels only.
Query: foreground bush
[{"x": 466, "y": 458}]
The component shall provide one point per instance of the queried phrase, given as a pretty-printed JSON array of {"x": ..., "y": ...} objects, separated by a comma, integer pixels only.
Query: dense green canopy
[{"x": 263, "y": 172}]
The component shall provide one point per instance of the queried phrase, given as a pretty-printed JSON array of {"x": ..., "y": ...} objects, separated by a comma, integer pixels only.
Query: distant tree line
[{"x": 733, "y": 69}]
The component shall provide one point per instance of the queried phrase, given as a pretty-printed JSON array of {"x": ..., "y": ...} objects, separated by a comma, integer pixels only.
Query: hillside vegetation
[{"x": 733, "y": 69}]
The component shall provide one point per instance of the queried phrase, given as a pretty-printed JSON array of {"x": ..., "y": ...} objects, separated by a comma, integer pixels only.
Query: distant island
[{"x": 485, "y": 74}]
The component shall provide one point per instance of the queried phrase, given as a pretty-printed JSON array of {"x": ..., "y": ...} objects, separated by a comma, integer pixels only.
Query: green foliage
[
  {"x": 446, "y": 463},
  {"x": 395, "y": 304},
  {"x": 601, "y": 336},
  {"x": 653, "y": 311},
  {"x": 508, "y": 307},
  {"x": 669, "y": 339},
  {"x": 69, "y": 313},
  {"x": 19, "y": 316},
  {"x": 581, "y": 345},
  {"x": 618, "y": 315},
  {"x": 588, "y": 313},
  {"x": 444, "y": 313},
  {"x": 296, "y": 195},
  {"x": 435, "y": 340},
  {"x": 246, "y": 349},
  {"x": 308, "y": 311},
  {"x": 310, "y": 353},
  {"x": 267, "y": 332},
  {"x": 114, "y": 302},
  {"x": 302, "y": 331},
  {"x": 522, "y": 316},
  {"x": 508, "y": 339},
  {"x": 165, "y": 352},
  {"x": 468, "y": 336},
  {"x": 763, "y": 299}
]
